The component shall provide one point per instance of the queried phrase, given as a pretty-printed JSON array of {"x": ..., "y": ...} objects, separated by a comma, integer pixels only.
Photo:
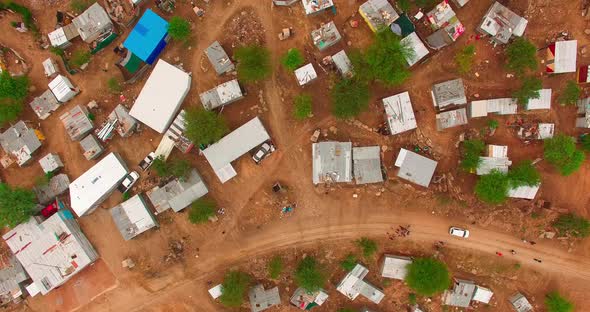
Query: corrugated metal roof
[
  {"x": 501, "y": 23},
  {"x": 261, "y": 299},
  {"x": 303, "y": 299},
  {"x": 395, "y": 267},
  {"x": 325, "y": 36},
  {"x": 92, "y": 23},
  {"x": 62, "y": 88},
  {"x": 546, "y": 130},
  {"x": 461, "y": 294},
  {"x": 91, "y": 148},
  {"x": 50, "y": 163},
  {"x": 147, "y": 37},
  {"x": 521, "y": 303},
  {"x": 420, "y": 50},
  {"x": 56, "y": 186},
  {"x": 482, "y": 294},
  {"x": 305, "y": 74},
  {"x": 378, "y": 13},
  {"x": 451, "y": 119},
  {"x": 366, "y": 162},
  {"x": 223, "y": 94},
  {"x": 219, "y": 59},
  {"x": 447, "y": 93},
  {"x": 524, "y": 192},
  {"x": 178, "y": 194},
  {"x": 543, "y": 102},
  {"x": 564, "y": 59},
  {"x": 415, "y": 168},
  {"x": 332, "y": 162},
  {"x": 487, "y": 164},
  {"x": 20, "y": 141},
  {"x": 126, "y": 123},
  {"x": 44, "y": 104},
  {"x": 76, "y": 122},
  {"x": 353, "y": 285},
  {"x": 133, "y": 217},
  {"x": 315, "y": 6},
  {"x": 399, "y": 113},
  {"x": 343, "y": 64}
]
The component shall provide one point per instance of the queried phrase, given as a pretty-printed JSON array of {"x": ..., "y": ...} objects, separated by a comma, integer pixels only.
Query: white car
[
  {"x": 128, "y": 182},
  {"x": 459, "y": 232}
]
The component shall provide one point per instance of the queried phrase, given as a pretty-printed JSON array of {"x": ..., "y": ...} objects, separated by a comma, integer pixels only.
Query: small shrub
[
  {"x": 493, "y": 124},
  {"x": 412, "y": 298},
  {"x": 570, "y": 94},
  {"x": 472, "y": 150},
  {"x": 114, "y": 85},
  {"x": 529, "y": 90},
  {"x": 522, "y": 55},
  {"x": 79, "y": 6},
  {"x": 493, "y": 187},
  {"x": 253, "y": 63},
  {"x": 571, "y": 224},
  {"x": 309, "y": 275},
  {"x": 79, "y": 58},
  {"x": 556, "y": 303},
  {"x": 293, "y": 59},
  {"x": 275, "y": 267},
  {"x": 179, "y": 28},
  {"x": 349, "y": 98},
  {"x": 303, "y": 106},
  {"x": 201, "y": 211},
  {"x": 179, "y": 168},
  {"x": 464, "y": 59},
  {"x": 234, "y": 288},
  {"x": 159, "y": 165},
  {"x": 367, "y": 246},
  {"x": 126, "y": 195},
  {"x": 404, "y": 5},
  {"x": 348, "y": 263},
  {"x": 428, "y": 276},
  {"x": 561, "y": 152},
  {"x": 524, "y": 174}
]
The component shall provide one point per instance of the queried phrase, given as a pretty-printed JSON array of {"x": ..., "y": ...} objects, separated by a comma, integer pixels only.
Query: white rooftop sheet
[
  {"x": 161, "y": 96},
  {"x": 565, "y": 56},
  {"x": 482, "y": 294},
  {"x": 399, "y": 112},
  {"x": 478, "y": 109},
  {"x": 525, "y": 192},
  {"x": 305, "y": 74},
  {"x": 138, "y": 214},
  {"x": 62, "y": 88},
  {"x": 229, "y": 91},
  {"x": 92, "y": 186},
  {"x": 420, "y": 50},
  {"x": 313, "y": 6},
  {"x": 497, "y": 150},
  {"x": 216, "y": 291},
  {"x": 415, "y": 168},
  {"x": 546, "y": 130},
  {"x": 58, "y": 37},
  {"x": 503, "y": 106},
  {"x": 543, "y": 102},
  {"x": 395, "y": 267}
]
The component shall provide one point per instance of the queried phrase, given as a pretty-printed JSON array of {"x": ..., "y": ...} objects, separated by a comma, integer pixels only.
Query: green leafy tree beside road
[
  {"x": 522, "y": 56},
  {"x": 234, "y": 286},
  {"x": 16, "y": 205},
  {"x": 253, "y": 63},
  {"x": 204, "y": 127},
  {"x": 428, "y": 276},
  {"x": 309, "y": 274},
  {"x": 561, "y": 152}
]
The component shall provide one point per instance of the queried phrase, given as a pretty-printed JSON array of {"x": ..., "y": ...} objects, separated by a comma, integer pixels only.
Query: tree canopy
[
  {"x": 385, "y": 59},
  {"x": 472, "y": 150},
  {"x": 524, "y": 174},
  {"x": 309, "y": 275},
  {"x": 556, "y": 303},
  {"x": 367, "y": 246},
  {"x": 528, "y": 90},
  {"x": 204, "y": 127},
  {"x": 234, "y": 286},
  {"x": 201, "y": 210},
  {"x": 492, "y": 187},
  {"x": 572, "y": 224},
  {"x": 522, "y": 56},
  {"x": 292, "y": 59},
  {"x": 179, "y": 28},
  {"x": 302, "y": 106},
  {"x": 275, "y": 267},
  {"x": 79, "y": 58},
  {"x": 16, "y": 205},
  {"x": 570, "y": 94},
  {"x": 253, "y": 63},
  {"x": 561, "y": 152},
  {"x": 428, "y": 276},
  {"x": 179, "y": 168},
  {"x": 464, "y": 58},
  {"x": 349, "y": 98},
  {"x": 13, "y": 91},
  {"x": 349, "y": 262}
]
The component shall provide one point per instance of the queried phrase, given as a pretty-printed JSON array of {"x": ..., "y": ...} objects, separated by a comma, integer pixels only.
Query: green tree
[
  {"x": 349, "y": 98},
  {"x": 79, "y": 58},
  {"x": 179, "y": 168},
  {"x": 492, "y": 187},
  {"x": 464, "y": 58},
  {"x": 471, "y": 152},
  {"x": 528, "y": 90},
  {"x": 386, "y": 58},
  {"x": 522, "y": 55},
  {"x": 201, "y": 210},
  {"x": 79, "y": 6},
  {"x": 349, "y": 262},
  {"x": 367, "y": 246},
  {"x": 234, "y": 288},
  {"x": 253, "y": 63},
  {"x": 292, "y": 59},
  {"x": 571, "y": 224},
  {"x": 556, "y": 303},
  {"x": 303, "y": 106},
  {"x": 524, "y": 174},
  {"x": 570, "y": 94},
  {"x": 57, "y": 51},
  {"x": 493, "y": 124},
  {"x": 204, "y": 127},
  {"x": 159, "y": 165},
  {"x": 428, "y": 276},
  {"x": 114, "y": 85},
  {"x": 16, "y": 205},
  {"x": 561, "y": 152},
  {"x": 179, "y": 28},
  {"x": 309, "y": 275},
  {"x": 275, "y": 267},
  {"x": 13, "y": 91}
]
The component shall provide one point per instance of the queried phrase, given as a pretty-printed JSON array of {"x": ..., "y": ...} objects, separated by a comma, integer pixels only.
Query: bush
[
  {"x": 522, "y": 55},
  {"x": 234, "y": 288},
  {"x": 524, "y": 174},
  {"x": 367, "y": 246},
  {"x": 464, "y": 58},
  {"x": 493, "y": 124},
  {"x": 57, "y": 51},
  {"x": 570, "y": 94},
  {"x": 349, "y": 98},
  {"x": 556, "y": 303},
  {"x": 571, "y": 224},
  {"x": 253, "y": 63},
  {"x": 179, "y": 28},
  {"x": 114, "y": 85},
  {"x": 79, "y": 58},
  {"x": 201, "y": 211},
  {"x": 472, "y": 150},
  {"x": 412, "y": 299},
  {"x": 79, "y": 6},
  {"x": 13, "y": 91},
  {"x": 529, "y": 90},
  {"x": 204, "y": 127},
  {"x": 179, "y": 168},
  {"x": 404, "y": 5},
  {"x": 16, "y": 205},
  {"x": 561, "y": 152},
  {"x": 493, "y": 187},
  {"x": 428, "y": 276},
  {"x": 293, "y": 59},
  {"x": 426, "y": 3},
  {"x": 386, "y": 59},
  {"x": 303, "y": 107},
  {"x": 309, "y": 275},
  {"x": 349, "y": 262},
  {"x": 275, "y": 267},
  {"x": 585, "y": 141}
]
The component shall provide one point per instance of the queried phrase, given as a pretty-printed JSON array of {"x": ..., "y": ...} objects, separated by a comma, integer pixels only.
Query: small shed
[
  {"x": 219, "y": 59},
  {"x": 414, "y": 167},
  {"x": 448, "y": 93},
  {"x": 305, "y": 300},
  {"x": 343, "y": 64},
  {"x": 62, "y": 88},
  {"x": 56, "y": 186},
  {"x": 20, "y": 142},
  {"x": 543, "y": 102},
  {"x": 583, "y": 119},
  {"x": 561, "y": 57},
  {"x": 45, "y": 104},
  {"x": 496, "y": 159},
  {"x": 91, "y": 147},
  {"x": 133, "y": 217},
  {"x": 366, "y": 164},
  {"x": 306, "y": 74},
  {"x": 50, "y": 163},
  {"x": 502, "y": 106},
  {"x": 178, "y": 194},
  {"x": 378, "y": 14},
  {"x": 524, "y": 192},
  {"x": 520, "y": 303},
  {"x": 77, "y": 122},
  {"x": 261, "y": 299},
  {"x": 50, "y": 68},
  {"x": 441, "y": 15},
  {"x": 399, "y": 113},
  {"x": 126, "y": 124},
  {"x": 93, "y": 23},
  {"x": 316, "y": 6},
  {"x": 12, "y": 280},
  {"x": 148, "y": 38},
  {"x": 420, "y": 50},
  {"x": 325, "y": 36},
  {"x": 61, "y": 37},
  {"x": 451, "y": 119},
  {"x": 460, "y": 295},
  {"x": 395, "y": 267},
  {"x": 332, "y": 162},
  {"x": 216, "y": 291},
  {"x": 501, "y": 23},
  {"x": 224, "y": 94},
  {"x": 353, "y": 285},
  {"x": 482, "y": 294}
]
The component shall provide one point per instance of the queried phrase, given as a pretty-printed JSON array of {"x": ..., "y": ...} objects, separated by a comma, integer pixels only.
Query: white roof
[
  {"x": 222, "y": 94},
  {"x": 420, "y": 50},
  {"x": 94, "y": 185},
  {"x": 331, "y": 162},
  {"x": 502, "y": 106},
  {"x": 543, "y": 102},
  {"x": 313, "y": 6},
  {"x": 133, "y": 217},
  {"x": 216, "y": 291},
  {"x": 343, "y": 64},
  {"x": 395, "y": 267},
  {"x": 414, "y": 167},
  {"x": 478, "y": 109},
  {"x": 58, "y": 37},
  {"x": 50, "y": 162},
  {"x": 524, "y": 192},
  {"x": 50, "y": 67},
  {"x": 232, "y": 146},
  {"x": 399, "y": 113},
  {"x": 546, "y": 130},
  {"x": 353, "y": 285},
  {"x": 498, "y": 151},
  {"x": 161, "y": 96},
  {"x": 305, "y": 74},
  {"x": 565, "y": 56},
  {"x": 62, "y": 88}
]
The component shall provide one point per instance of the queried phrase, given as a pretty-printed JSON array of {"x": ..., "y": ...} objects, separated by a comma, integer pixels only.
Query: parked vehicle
[
  {"x": 128, "y": 182},
  {"x": 262, "y": 151},
  {"x": 146, "y": 163},
  {"x": 459, "y": 232}
]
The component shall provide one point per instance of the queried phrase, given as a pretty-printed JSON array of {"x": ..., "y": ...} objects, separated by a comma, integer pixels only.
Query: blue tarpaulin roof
[{"x": 148, "y": 37}]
